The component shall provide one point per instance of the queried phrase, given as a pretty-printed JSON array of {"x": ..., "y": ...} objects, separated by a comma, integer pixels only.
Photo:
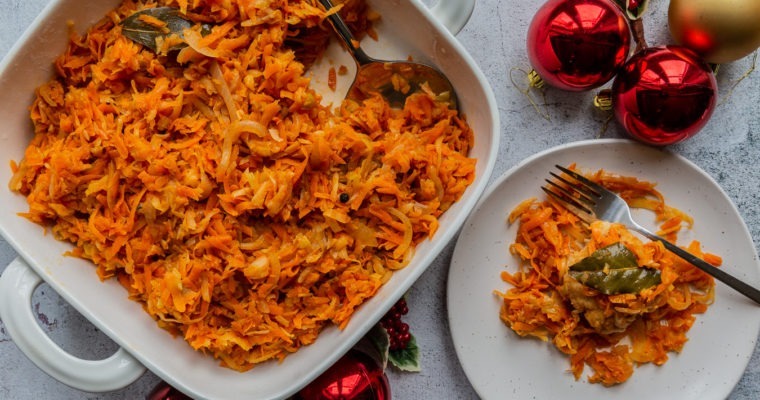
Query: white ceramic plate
[{"x": 499, "y": 364}]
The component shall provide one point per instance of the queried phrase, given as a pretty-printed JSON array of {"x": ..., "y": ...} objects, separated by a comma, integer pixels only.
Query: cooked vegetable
[
  {"x": 610, "y": 333},
  {"x": 241, "y": 212},
  {"x": 614, "y": 269}
]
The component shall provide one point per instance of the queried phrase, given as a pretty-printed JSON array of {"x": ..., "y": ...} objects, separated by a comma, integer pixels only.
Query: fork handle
[{"x": 716, "y": 273}]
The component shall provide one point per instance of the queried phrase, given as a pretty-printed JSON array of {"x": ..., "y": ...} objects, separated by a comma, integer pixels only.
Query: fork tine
[
  {"x": 572, "y": 192},
  {"x": 585, "y": 192},
  {"x": 571, "y": 204},
  {"x": 566, "y": 197},
  {"x": 583, "y": 180}
]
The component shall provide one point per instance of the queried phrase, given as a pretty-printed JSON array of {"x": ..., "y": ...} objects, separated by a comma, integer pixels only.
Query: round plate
[{"x": 500, "y": 364}]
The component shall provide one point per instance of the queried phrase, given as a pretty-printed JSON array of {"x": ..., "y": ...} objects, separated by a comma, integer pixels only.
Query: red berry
[{"x": 398, "y": 331}]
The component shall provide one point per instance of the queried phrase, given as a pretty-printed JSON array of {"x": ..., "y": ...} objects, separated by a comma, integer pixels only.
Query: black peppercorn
[{"x": 344, "y": 197}]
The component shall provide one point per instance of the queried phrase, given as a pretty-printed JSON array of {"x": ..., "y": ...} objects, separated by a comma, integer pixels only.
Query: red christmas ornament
[
  {"x": 356, "y": 376},
  {"x": 664, "y": 95},
  {"x": 578, "y": 45},
  {"x": 163, "y": 391}
]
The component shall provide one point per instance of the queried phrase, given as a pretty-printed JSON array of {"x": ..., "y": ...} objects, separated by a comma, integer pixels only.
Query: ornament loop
[
  {"x": 527, "y": 92},
  {"x": 736, "y": 83}
]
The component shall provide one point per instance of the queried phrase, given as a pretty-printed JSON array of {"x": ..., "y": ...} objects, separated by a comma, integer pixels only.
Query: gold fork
[{"x": 591, "y": 201}]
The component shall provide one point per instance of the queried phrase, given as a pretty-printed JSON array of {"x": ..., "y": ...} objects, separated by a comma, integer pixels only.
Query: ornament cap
[
  {"x": 535, "y": 80},
  {"x": 603, "y": 100}
]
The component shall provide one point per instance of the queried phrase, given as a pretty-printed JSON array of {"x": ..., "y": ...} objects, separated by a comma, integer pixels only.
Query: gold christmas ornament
[{"x": 720, "y": 31}]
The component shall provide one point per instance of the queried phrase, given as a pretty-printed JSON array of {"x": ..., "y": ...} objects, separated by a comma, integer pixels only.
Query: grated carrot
[
  {"x": 332, "y": 79},
  {"x": 539, "y": 304},
  {"x": 215, "y": 187}
]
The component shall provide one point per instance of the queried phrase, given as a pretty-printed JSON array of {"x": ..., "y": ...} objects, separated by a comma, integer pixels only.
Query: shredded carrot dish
[
  {"x": 212, "y": 183},
  {"x": 610, "y": 333}
]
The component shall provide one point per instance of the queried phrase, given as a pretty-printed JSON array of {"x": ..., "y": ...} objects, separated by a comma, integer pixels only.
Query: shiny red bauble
[
  {"x": 356, "y": 376},
  {"x": 578, "y": 45},
  {"x": 664, "y": 95},
  {"x": 163, "y": 391}
]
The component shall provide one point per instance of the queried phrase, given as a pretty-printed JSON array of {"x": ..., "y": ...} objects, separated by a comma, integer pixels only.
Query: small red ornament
[
  {"x": 664, "y": 95},
  {"x": 356, "y": 376},
  {"x": 163, "y": 391},
  {"x": 578, "y": 45}
]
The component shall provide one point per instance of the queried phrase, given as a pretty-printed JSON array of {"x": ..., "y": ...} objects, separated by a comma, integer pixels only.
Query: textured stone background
[{"x": 728, "y": 149}]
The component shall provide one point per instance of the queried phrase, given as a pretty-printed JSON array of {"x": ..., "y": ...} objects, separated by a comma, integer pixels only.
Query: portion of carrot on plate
[{"x": 599, "y": 293}]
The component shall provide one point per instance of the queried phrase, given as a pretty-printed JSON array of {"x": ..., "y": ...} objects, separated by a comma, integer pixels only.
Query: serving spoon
[{"x": 393, "y": 80}]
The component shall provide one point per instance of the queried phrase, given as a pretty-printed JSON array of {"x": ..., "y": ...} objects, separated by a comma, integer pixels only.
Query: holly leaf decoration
[
  {"x": 382, "y": 341},
  {"x": 407, "y": 359},
  {"x": 634, "y": 9}
]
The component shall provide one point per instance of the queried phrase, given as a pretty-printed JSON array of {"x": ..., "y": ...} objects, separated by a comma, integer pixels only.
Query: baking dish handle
[
  {"x": 17, "y": 284},
  {"x": 453, "y": 14}
]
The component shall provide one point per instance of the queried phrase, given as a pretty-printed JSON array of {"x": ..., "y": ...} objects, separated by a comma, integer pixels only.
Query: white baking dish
[{"x": 408, "y": 28}]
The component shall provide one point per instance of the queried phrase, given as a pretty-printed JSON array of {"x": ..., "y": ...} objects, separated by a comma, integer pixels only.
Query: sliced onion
[
  {"x": 407, "y": 241},
  {"x": 224, "y": 90}
]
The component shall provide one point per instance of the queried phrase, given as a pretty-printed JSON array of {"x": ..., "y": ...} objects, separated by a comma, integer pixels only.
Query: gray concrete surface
[{"x": 728, "y": 149}]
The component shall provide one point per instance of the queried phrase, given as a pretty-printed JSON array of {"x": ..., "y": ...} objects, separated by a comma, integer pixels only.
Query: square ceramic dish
[{"x": 408, "y": 28}]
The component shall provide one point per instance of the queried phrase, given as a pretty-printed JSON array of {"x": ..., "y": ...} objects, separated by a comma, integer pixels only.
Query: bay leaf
[
  {"x": 144, "y": 33},
  {"x": 614, "y": 269},
  {"x": 619, "y": 281},
  {"x": 612, "y": 256}
]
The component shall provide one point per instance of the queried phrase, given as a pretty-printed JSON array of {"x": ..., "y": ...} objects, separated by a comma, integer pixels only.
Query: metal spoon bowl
[{"x": 394, "y": 80}]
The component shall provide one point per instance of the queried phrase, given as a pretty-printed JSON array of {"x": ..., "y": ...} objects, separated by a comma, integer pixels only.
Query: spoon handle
[{"x": 342, "y": 29}]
